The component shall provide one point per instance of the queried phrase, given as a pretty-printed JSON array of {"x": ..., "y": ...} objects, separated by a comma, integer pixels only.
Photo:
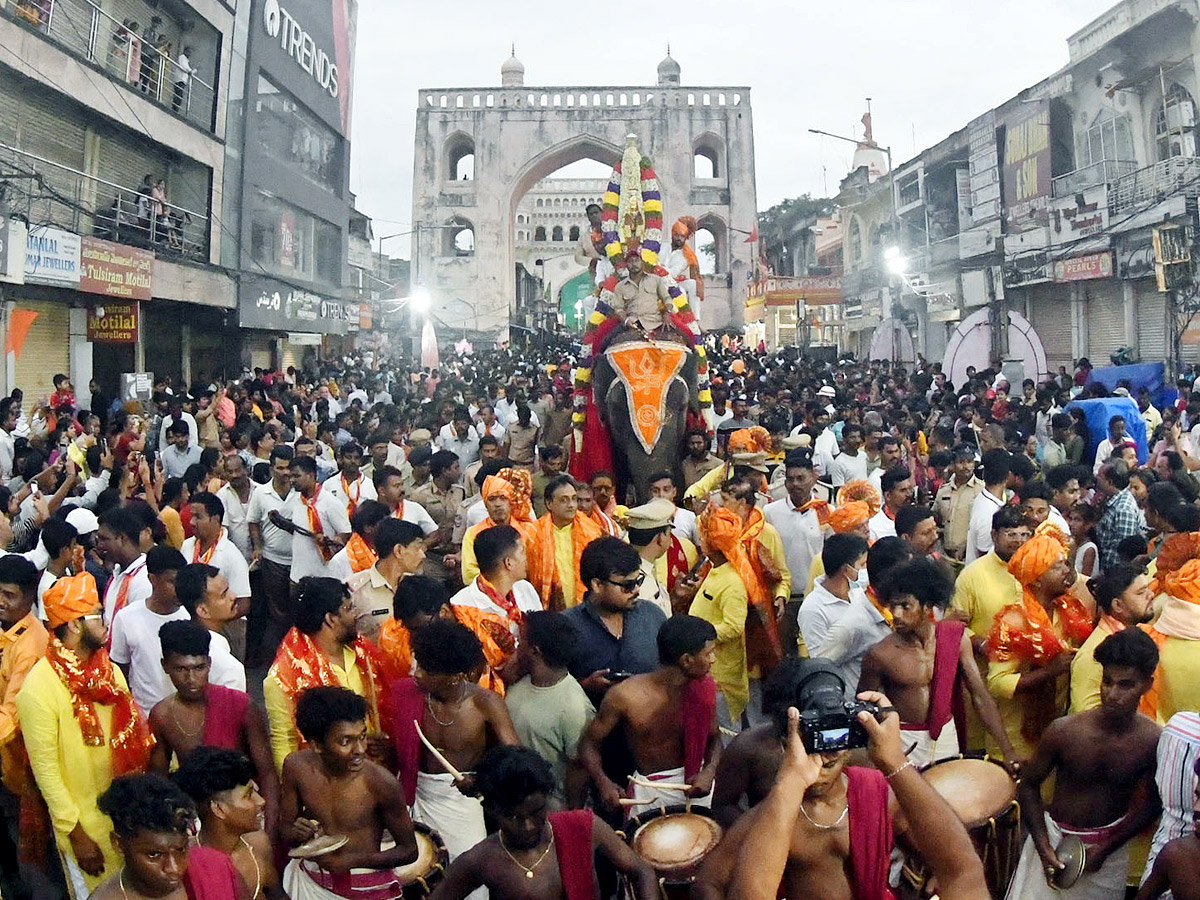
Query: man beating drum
[{"x": 537, "y": 855}]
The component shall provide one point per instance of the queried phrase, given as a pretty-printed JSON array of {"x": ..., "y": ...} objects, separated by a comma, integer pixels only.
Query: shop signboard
[
  {"x": 113, "y": 323},
  {"x": 115, "y": 270},
  {"x": 1027, "y": 168},
  {"x": 136, "y": 386},
  {"x": 1084, "y": 268},
  {"x": 52, "y": 257},
  {"x": 12, "y": 251},
  {"x": 1082, "y": 214},
  {"x": 277, "y": 306}
]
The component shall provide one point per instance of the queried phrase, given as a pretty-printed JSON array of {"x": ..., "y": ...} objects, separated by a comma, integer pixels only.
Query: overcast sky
[{"x": 928, "y": 65}]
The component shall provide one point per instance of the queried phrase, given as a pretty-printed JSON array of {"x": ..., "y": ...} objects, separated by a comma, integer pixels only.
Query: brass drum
[
  {"x": 674, "y": 840},
  {"x": 421, "y": 876}
]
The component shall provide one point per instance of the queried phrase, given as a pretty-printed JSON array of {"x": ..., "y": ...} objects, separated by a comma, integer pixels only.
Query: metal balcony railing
[
  {"x": 1177, "y": 175},
  {"x": 84, "y": 28},
  {"x": 48, "y": 193},
  {"x": 1106, "y": 171}
]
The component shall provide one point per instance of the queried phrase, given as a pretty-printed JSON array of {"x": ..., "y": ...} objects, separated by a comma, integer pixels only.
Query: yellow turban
[
  {"x": 860, "y": 489},
  {"x": 849, "y": 516},
  {"x": 69, "y": 598},
  {"x": 1184, "y": 583},
  {"x": 1035, "y": 557}
]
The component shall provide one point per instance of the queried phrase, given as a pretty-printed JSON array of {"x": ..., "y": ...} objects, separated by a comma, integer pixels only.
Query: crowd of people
[{"x": 361, "y": 613}]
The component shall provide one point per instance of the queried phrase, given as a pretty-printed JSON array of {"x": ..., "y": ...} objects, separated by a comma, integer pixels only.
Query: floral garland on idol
[{"x": 630, "y": 198}]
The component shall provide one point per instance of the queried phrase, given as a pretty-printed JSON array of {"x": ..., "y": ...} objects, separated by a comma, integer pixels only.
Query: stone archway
[{"x": 522, "y": 134}]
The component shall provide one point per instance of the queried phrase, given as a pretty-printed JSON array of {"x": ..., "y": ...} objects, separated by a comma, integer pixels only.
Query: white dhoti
[
  {"x": 648, "y": 797},
  {"x": 444, "y": 808},
  {"x": 1029, "y": 881},
  {"x": 928, "y": 750},
  {"x": 304, "y": 879}
]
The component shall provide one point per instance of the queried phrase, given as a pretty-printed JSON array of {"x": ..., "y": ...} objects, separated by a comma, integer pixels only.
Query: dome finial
[
  {"x": 512, "y": 73},
  {"x": 668, "y": 71}
]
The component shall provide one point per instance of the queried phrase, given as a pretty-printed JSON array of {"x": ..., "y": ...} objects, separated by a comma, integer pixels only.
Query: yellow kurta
[
  {"x": 689, "y": 553},
  {"x": 708, "y": 482},
  {"x": 1179, "y": 674},
  {"x": 282, "y": 716},
  {"x": 722, "y": 601},
  {"x": 1086, "y": 673},
  {"x": 770, "y": 541},
  {"x": 983, "y": 589},
  {"x": 564, "y": 560},
  {"x": 70, "y": 774}
]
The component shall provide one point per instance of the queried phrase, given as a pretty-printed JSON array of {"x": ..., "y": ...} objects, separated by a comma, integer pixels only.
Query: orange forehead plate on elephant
[
  {"x": 647, "y": 371},
  {"x": 1035, "y": 557},
  {"x": 860, "y": 489},
  {"x": 849, "y": 516},
  {"x": 1184, "y": 583}
]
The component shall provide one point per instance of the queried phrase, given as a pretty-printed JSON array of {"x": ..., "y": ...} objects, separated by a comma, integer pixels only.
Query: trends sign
[{"x": 299, "y": 45}]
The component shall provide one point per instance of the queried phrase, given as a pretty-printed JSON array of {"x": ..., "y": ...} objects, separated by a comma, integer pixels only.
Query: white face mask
[{"x": 862, "y": 580}]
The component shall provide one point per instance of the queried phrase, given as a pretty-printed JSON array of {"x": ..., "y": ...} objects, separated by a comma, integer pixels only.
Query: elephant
[{"x": 612, "y": 398}]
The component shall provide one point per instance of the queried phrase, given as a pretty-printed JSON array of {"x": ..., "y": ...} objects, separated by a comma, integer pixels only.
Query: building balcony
[
  {"x": 1106, "y": 171},
  {"x": 117, "y": 47},
  {"x": 1153, "y": 184},
  {"x": 47, "y": 193}
]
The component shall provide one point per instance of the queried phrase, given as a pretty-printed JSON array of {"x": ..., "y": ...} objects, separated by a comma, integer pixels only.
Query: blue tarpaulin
[
  {"x": 1098, "y": 413},
  {"x": 1143, "y": 375}
]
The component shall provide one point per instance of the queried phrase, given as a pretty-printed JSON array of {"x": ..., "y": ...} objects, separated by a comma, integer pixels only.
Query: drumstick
[
  {"x": 728, "y": 732},
  {"x": 457, "y": 775},
  {"x": 660, "y": 785}
]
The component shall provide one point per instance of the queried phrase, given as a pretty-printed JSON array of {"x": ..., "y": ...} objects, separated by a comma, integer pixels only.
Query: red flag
[{"x": 753, "y": 239}]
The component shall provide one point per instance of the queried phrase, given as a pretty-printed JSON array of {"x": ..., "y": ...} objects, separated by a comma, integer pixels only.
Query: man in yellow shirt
[
  {"x": 1177, "y": 633},
  {"x": 1125, "y": 600},
  {"x": 81, "y": 730},
  {"x": 986, "y": 586},
  {"x": 722, "y": 600},
  {"x": 323, "y": 649},
  {"x": 559, "y": 538},
  {"x": 22, "y": 644}
]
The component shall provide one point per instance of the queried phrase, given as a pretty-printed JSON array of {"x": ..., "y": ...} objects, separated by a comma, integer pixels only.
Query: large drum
[
  {"x": 674, "y": 840},
  {"x": 984, "y": 795},
  {"x": 420, "y": 877}
]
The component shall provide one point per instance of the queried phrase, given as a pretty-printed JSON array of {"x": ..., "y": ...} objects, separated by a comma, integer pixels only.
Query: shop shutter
[
  {"x": 1050, "y": 307},
  {"x": 45, "y": 353},
  {"x": 1151, "y": 321},
  {"x": 1105, "y": 310},
  {"x": 292, "y": 355}
]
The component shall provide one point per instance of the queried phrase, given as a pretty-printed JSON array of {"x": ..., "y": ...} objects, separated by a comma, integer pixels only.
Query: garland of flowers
[{"x": 603, "y": 320}]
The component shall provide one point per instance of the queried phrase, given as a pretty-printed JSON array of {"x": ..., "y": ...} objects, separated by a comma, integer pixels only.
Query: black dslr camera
[{"x": 828, "y": 721}]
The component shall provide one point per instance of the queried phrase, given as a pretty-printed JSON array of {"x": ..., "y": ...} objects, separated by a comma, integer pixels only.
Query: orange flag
[{"x": 19, "y": 323}]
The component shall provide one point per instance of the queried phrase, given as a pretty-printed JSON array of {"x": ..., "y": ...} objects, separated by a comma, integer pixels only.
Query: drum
[
  {"x": 674, "y": 840},
  {"x": 420, "y": 877},
  {"x": 983, "y": 794}
]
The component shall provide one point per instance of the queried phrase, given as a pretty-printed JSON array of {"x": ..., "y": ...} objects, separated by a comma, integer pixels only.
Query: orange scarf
[
  {"x": 607, "y": 525},
  {"x": 395, "y": 643},
  {"x": 123, "y": 591},
  {"x": 299, "y": 665},
  {"x": 206, "y": 558},
  {"x": 507, "y": 603},
  {"x": 310, "y": 506},
  {"x": 766, "y": 573},
  {"x": 94, "y": 683},
  {"x": 874, "y": 598},
  {"x": 820, "y": 507},
  {"x": 543, "y": 568},
  {"x": 351, "y": 502},
  {"x": 361, "y": 556}
]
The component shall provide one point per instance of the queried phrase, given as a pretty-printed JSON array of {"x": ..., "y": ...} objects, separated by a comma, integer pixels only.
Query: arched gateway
[{"x": 479, "y": 150}]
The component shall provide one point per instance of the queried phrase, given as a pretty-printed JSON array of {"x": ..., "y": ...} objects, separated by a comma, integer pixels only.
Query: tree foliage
[{"x": 776, "y": 223}]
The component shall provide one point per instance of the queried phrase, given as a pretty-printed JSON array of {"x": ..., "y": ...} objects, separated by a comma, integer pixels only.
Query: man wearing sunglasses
[{"x": 616, "y": 631}]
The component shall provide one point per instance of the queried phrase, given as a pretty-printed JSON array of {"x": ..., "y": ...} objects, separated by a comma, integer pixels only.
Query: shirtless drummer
[
  {"x": 537, "y": 855},
  {"x": 669, "y": 717},
  {"x": 1103, "y": 761},
  {"x": 332, "y": 788},
  {"x": 924, "y": 665}
]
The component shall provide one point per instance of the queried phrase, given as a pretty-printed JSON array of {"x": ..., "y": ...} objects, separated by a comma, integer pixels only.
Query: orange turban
[
  {"x": 522, "y": 483},
  {"x": 685, "y": 226},
  {"x": 849, "y": 516},
  {"x": 1184, "y": 583},
  {"x": 1035, "y": 557},
  {"x": 1049, "y": 529},
  {"x": 860, "y": 489},
  {"x": 750, "y": 440},
  {"x": 69, "y": 598},
  {"x": 722, "y": 530},
  {"x": 1175, "y": 551},
  {"x": 493, "y": 485}
]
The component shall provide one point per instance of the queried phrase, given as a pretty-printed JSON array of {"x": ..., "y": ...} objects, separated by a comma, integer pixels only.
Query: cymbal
[
  {"x": 1072, "y": 851},
  {"x": 319, "y": 846}
]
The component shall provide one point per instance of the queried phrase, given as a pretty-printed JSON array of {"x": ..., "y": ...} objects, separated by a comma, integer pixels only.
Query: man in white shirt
[
  {"x": 235, "y": 496},
  {"x": 350, "y": 485},
  {"x": 135, "y": 645},
  {"x": 389, "y": 486},
  {"x": 177, "y": 414},
  {"x": 500, "y": 587},
  {"x": 683, "y": 522},
  {"x": 8, "y": 421},
  {"x": 178, "y": 455},
  {"x": 837, "y": 621},
  {"x": 118, "y": 541},
  {"x": 205, "y": 594},
  {"x": 460, "y": 438},
  {"x": 210, "y": 544},
  {"x": 488, "y": 424},
  {"x": 994, "y": 495},
  {"x": 896, "y": 485},
  {"x": 271, "y": 555},
  {"x": 800, "y": 531},
  {"x": 319, "y": 513},
  {"x": 1116, "y": 437},
  {"x": 851, "y": 463},
  {"x": 890, "y": 455}
]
